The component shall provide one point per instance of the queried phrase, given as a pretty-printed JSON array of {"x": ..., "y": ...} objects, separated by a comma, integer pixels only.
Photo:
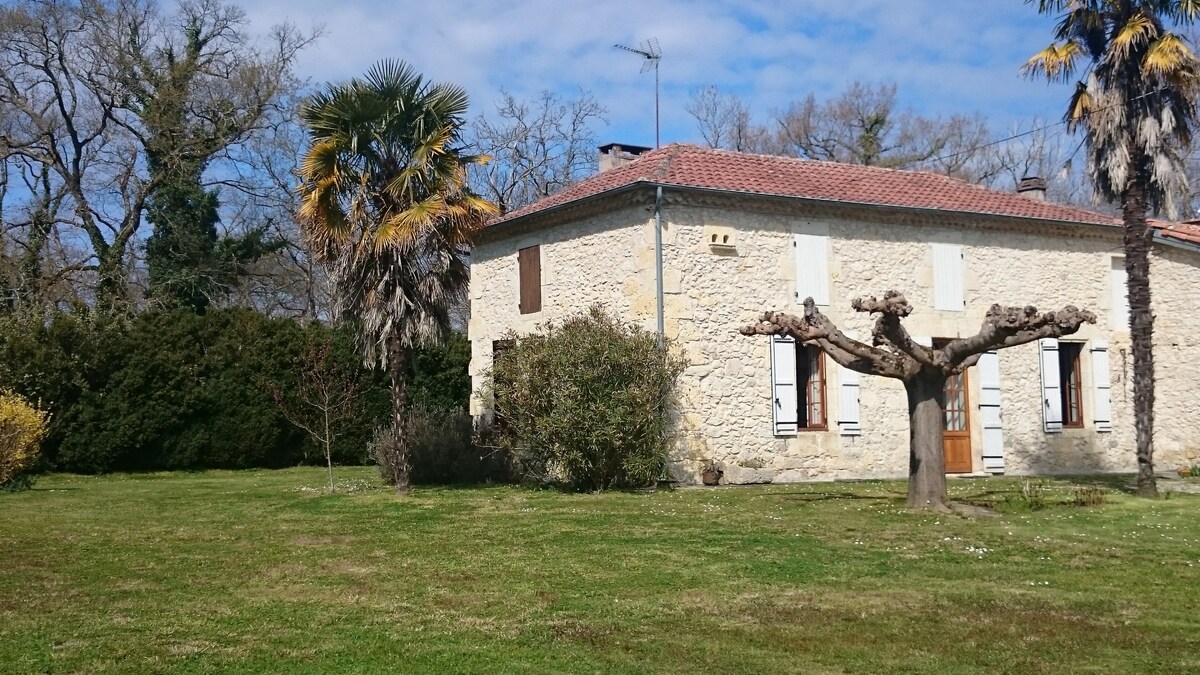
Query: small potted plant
[{"x": 711, "y": 473}]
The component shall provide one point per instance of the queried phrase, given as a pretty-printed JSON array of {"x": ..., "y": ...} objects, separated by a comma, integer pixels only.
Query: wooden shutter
[
  {"x": 1119, "y": 288},
  {"x": 529, "y": 264},
  {"x": 948, "y": 291},
  {"x": 989, "y": 412},
  {"x": 1052, "y": 418},
  {"x": 848, "y": 402},
  {"x": 812, "y": 267},
  {"x": 784, "y": 397},
  {"x": 1101, "y": 386}
]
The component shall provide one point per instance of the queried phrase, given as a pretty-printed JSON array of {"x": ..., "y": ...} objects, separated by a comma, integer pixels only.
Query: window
[
  {"x": 812, "y": 267},
  {"x": 1070, "y": 383},
  {"x": 529, "y": 264},
  {"x": 948, "y": 288},
  {"x": 810, "y": 373},
  {"x": 798, "y": 383},
  {"x": 1118, "y": 282}
]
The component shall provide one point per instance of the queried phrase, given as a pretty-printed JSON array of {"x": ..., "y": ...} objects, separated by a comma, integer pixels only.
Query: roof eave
[
  {"x": 501, "y": 229},
  {"x": 1168, "y": 240}
]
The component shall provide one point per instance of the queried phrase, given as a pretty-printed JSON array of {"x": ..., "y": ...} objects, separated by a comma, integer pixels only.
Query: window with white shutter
[
  {"x": 1101, "y": 386},
  {"x": 1118, "y": 286},
  {"x": 784, "y": 397},
  {"x": 812, "y": 267},
  {"x": 989, "y": 412},
  {"x": 948, "y": 288},
  {"x": 1052, "y": 418},
  {"x": 848, "y": 402}
]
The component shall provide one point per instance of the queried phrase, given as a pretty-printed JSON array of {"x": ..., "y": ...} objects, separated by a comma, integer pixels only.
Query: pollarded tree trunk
[
  {"x": 1141, "y": 330},
  {"x": 400, "y": 470},
  {"x": 926, "y": 425}
]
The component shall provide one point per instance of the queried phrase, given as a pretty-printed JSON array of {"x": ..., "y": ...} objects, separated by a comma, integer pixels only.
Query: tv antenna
[{"x": 652, "y": 53}]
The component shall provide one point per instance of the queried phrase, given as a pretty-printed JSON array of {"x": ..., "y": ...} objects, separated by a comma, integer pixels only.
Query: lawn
[{"x": 262, "y": 572}]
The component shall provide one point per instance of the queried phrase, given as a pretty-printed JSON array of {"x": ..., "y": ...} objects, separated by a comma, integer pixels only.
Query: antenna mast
[{"x": 650, "y": 51}]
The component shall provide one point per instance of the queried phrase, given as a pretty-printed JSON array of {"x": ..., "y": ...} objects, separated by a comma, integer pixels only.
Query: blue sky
[{"x": 947, "y": 56}]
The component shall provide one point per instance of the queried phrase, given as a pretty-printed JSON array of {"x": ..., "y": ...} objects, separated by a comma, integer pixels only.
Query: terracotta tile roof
[
  {"x": 695, "y": 167},
  {"x": 1187, "y": 231}
]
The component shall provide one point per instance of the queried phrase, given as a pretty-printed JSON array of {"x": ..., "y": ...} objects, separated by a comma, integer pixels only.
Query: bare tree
[
  {"x": 536, "y": 148},
  {"x": 864, "y": 125},
  {"x": 923, "y": 370},
  {"x": 1042, "y": 150},
  {"x": 83, "y": 89},
  {"x": 258, "y": 190},
  {"x": 725, "y": 122},
  {"x": 322, "y": 399}
]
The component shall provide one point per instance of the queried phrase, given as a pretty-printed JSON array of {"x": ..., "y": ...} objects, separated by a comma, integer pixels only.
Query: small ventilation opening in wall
[{"x": 720, "y": 239}]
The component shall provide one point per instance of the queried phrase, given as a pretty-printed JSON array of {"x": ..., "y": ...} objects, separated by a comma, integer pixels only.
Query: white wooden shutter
[
  {"x": 812, "y": 267},
  {"x": 1101, "y": 386},
  {"x": 989, "y": 412},
  {"x": 848, "y": 410},
  {"x": 1052, "y": 417},
  {"x": 1118, "y": 282},
  {"x": 784, "y": 401},
  {"x": 948, "y": 289}
]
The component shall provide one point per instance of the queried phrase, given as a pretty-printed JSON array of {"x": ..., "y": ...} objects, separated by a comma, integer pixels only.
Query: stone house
[{"x": 698, "y": 242}]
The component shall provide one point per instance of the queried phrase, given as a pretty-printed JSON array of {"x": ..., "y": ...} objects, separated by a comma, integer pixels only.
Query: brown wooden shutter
[{"x": 529, "y": 262}]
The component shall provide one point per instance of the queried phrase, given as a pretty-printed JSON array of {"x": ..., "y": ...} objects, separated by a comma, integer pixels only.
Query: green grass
[{"x": 261, "y": 572}]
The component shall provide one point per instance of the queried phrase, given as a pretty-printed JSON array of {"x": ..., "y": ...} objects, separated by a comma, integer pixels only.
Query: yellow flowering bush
[{"x": 22, "y": 429}]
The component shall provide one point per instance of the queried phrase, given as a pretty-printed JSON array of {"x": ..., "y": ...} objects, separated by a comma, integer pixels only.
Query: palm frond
[
  {"x": 1056, "y": 62},
  {"x": 1134, "y": 34},
  {"x": 1168, "y": 54},
  {"x": 1186, "y": 11}
]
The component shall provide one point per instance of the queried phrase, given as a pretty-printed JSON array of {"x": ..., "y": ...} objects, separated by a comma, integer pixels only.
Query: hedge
[{"x": 178, "y": 390}]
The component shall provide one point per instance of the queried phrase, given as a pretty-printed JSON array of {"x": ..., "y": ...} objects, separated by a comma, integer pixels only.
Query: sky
[{"x": 946, "y": 56}]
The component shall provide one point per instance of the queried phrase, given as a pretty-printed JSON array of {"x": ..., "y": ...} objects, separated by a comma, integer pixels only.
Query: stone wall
[
  {"x": 598, "y": 260},
  {"x": 725, "y": 394}
]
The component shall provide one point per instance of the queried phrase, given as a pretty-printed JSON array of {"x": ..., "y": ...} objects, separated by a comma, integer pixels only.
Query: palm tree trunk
[
  {"x": 397, "y": 367},
  {"x": 1141, "y": 329},
  {"x": 926, "y": 424}
]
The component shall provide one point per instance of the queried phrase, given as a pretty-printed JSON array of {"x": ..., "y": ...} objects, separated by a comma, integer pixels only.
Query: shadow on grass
[
  {"x": 1117, "y": 482},
  {"x": 831, "y": 496}
]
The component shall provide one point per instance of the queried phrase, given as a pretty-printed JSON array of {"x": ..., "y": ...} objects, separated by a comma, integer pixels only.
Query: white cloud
[{"x": 947, "y": 56}]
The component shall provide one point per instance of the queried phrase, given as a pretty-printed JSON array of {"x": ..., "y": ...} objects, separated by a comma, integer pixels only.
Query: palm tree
[
  {"x": 384, "y": 203},
  {"x": 1135, "y": 106}
]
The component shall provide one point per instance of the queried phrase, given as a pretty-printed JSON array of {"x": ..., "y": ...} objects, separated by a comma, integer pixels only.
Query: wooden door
[{"x": 956, "y": 441}]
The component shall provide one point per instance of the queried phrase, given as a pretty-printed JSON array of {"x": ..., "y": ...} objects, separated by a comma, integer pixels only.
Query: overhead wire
[{"x": 1039, "y": 129}]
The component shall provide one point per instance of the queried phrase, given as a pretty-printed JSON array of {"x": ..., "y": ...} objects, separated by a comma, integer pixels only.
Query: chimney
[
  {"x": 1032, "y": 187},
  {"x": 614, "y": 155}
]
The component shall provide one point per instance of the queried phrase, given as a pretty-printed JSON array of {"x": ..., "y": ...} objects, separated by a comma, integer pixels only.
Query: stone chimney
[
  {"x": 614, "y": 155},
  {"x": 1032, "y": 187}
]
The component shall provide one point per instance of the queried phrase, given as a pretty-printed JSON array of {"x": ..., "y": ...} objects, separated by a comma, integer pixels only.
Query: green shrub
[
  {"x": 585, "y": 402},
  {"x": 22, "y": 429},
  {"x": 443, "y": 450}
]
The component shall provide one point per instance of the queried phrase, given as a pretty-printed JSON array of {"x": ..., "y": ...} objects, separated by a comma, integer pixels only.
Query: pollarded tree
[
  {"x": 923, "y": 370},
  {"x": 1136, "y": 106}
]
